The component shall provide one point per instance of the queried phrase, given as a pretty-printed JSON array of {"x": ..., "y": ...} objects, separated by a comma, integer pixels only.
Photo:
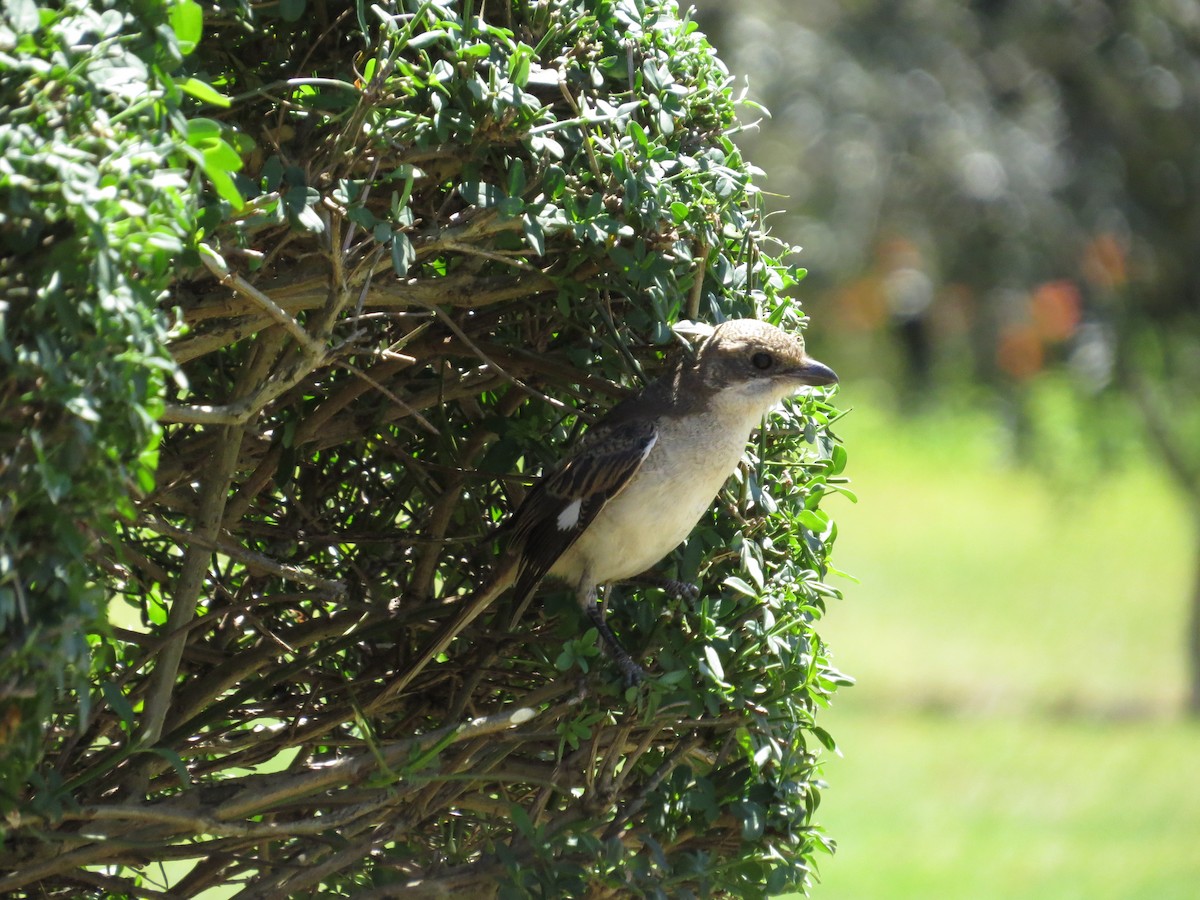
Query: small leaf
[
  {"x": 480, "y": 193},
  {"x": 310, "y": 221},
  {"x": 740, "y": 586},
  {"x": 23, "y": 15},
  {"x": 403, "y": 254},
  {"x": 518, "y": 65},
  {"x": 826, "y": 739},
  {"x": 714, "y": 662},
  {"x": 185, "y": 777},
  {"x": 426, "y": 39},
  {"x": 187, "y": 21},
  {"x": 119, "y": 704},
  {"x": 837, "y": 460},
  {"x": 203, "y": 91},
  {"x": 535, "y": 235},
  {"x": 752, "y": 818},
  {"x": 475, "y": 51},
  {"x": 814, "y": 520},
  {"x": 519, "y": 817}
]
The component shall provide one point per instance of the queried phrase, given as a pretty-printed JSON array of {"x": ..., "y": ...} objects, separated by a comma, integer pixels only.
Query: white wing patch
[
  {"x": 649, "y": 446},
  {"x": 569, "y": 517}
]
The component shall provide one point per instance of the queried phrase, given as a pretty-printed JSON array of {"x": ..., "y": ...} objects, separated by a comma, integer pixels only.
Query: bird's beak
[{"x": 815, "y": 373}]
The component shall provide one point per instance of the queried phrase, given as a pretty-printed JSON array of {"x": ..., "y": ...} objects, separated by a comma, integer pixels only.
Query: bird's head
[{"x": 755, "y": 360}]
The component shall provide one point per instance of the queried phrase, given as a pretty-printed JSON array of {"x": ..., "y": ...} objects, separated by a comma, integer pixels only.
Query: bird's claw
[
  {"x": 684, "y": 590},
  {"x": 631, "y": 673}
]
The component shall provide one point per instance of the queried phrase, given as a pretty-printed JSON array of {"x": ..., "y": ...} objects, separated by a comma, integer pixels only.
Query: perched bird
[{"x": 643, "y": 475}]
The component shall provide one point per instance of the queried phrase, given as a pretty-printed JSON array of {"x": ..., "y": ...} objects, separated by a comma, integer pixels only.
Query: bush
[
  {"x": 93, "y": 213},
  {"x": 431, "y": 241}
]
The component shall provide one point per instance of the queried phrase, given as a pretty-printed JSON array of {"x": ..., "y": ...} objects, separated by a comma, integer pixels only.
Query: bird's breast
[{"x": 661, "y": 504}]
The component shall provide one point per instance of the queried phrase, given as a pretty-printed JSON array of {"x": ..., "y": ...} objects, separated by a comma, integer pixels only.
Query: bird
[{"x": 641, "y": 478}]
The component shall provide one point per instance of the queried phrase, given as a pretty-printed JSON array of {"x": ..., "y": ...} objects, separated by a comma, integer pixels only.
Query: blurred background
[{"x": 999, "y": 208}]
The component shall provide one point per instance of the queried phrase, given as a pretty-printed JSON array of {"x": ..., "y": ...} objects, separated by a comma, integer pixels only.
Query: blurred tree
[{"x": 1038, "y": 163}]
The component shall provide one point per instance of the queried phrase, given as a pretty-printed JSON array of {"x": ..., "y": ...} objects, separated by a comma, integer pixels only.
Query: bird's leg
[
  {"x": 631, "y": 672},
  {"x": 682, "y": 589}
]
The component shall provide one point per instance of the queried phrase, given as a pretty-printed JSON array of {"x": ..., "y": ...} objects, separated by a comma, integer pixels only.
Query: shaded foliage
[
  {"x": 92, "y": 218},
  {"x": 430, "y": 243}
]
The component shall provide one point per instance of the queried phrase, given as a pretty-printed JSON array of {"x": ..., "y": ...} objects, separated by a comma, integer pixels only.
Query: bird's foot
[
  {"x": 631, "y": 673},
  {"x": 684, "y": 590}
]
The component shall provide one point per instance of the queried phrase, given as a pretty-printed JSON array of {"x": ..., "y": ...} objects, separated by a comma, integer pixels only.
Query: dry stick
[
  {"x": 404, "y": 407},
  {"x": 311, "y": 872},
  {"x": 420, "y": 585},
  {"x": 237, "y": 283},
  {"x": 241, "y": 411},
  {"x": 251, "y": 487},
  {"x": 693, "y": 306},
  {"x": 465, "y": 291},
  {"x": 344, "y": 428},
  {"x": 203, "y": 875},
  {"x": 55, "y": 862},
  {"x": 112, "y": 886},
  {"x": 608, "y": 765},
  {"x": 186, "y": 593},
  {"x": 469, "y": 609},
  {"x": 492, "y": 364},
  {"x": 632, "y": 808},
  {"x": 244, "y": 663},
  {"x": 262, "y": 792},
  {"x": 254, "y": 562}
]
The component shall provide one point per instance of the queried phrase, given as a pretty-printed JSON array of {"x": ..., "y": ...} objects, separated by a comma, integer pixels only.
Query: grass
[
  {"x": 974, "y": 808},
  {"x": 1019, "y": 651}
]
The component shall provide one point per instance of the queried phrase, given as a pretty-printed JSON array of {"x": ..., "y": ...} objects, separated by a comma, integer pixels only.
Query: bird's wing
[{"x": 562, "y": 505}]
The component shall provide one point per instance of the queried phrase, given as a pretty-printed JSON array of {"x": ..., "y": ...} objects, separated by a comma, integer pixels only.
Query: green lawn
[{"x": 1019, "y": 651}]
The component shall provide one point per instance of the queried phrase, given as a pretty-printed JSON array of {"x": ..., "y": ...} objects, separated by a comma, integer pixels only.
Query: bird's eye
[{"x": 762, "y": 361}]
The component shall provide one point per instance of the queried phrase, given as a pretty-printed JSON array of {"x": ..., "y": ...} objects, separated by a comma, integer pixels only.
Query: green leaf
[
  {"x": 825, "y": 738},
  {"x": 480, "y": 193},
  {"x": 752, "y": 818},
  {"x": 187, "y": 21},
  {"x": 426, "y": 39},
  {"x": 215, "y": 157},
  {"x": 310, "y": 220},
  {"x": 740, "y": 586},
  {"x": 203, "y": 92},
  {"x": 714, "y": 662},
  {"x": 519, "y": 65},
  {"x": 814, "y": 520},
  {"x": 837, "y": 460},
  {"x": 535, "y": 235},
  {"x": 403, "y": 254},
  {"x": 475, "y": 51},
  {"x": 156, "y": 612},
  {"x": 519, "y": 817},
  {"x": 119, "y": 704},
  {"x": 176, "y": 761},
  {"x": 23, "y": 15}
]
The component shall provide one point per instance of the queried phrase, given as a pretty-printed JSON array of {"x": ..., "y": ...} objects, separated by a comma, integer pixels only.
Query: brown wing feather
[{"x": 546, "y": 525}]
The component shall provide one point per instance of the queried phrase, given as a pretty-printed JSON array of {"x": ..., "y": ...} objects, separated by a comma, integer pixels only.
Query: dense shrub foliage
[
  {"x": 430, "y": 240},
  {"x": 94, "y": 212}
]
